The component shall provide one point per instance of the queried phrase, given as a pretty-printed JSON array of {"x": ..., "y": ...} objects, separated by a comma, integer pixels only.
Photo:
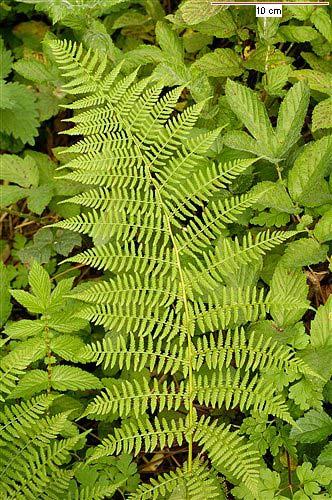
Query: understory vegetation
[{"x": 166, "y": 233}]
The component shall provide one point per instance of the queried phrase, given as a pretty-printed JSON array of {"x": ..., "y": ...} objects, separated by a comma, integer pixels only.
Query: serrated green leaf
[
  {"x": 322, "y": 22},
  {"x": 323, "y": 228},
  {"x": 31, "y": 383},
  {"x": 252, "y": 113},
  {"x": 5, "y": 61},
  {"x": 220, "y": 25},
  {"x": 303, "y": 252},
  {"x": 169, "y": 42},
  {"x": 21, "y": 120},
  {"x": 314, "y": 426},
  {"x": 220, "y": 62},
  {"x": 21, "y": 171},
  {"x": 274, "y": 195},
  {"x": 306, "y": 182},
  {"x": 40, "y": 284},
  {"x": 322, "y": 115},
  {"x": 325, "y": 458},
  {"x": 27, "y": 300},
  {"x": 34, "y": 70},
  {"x": 315, "y": 79},
  {"x": 321, "y": 334},
  {"x": 67, "y": 347},
  {"x": 298, "y": 33},
  {"x": 275, "y": 79},
  {"x": 195, "y": 11},
  {"x": 39, "y": 197},
  {"x": 289, "y": 290},
  {"x": 291, "y": 116},
  {"x": 11, "y": 194},
  {"x": 71, "y": 378},
  {"x": 6, "y": 306},
  {"x": 24, "y": 329}
]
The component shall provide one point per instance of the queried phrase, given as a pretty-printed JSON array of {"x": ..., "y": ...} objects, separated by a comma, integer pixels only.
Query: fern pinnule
[
  {"x": 135, "y": 435},
  {"x": 138, "y": 353},
  {"x": 199, "y": 483},
  {"x": 138, "y": 397}
]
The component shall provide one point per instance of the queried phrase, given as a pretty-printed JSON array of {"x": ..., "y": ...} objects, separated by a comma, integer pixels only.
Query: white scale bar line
[{"x": 269, "y": 3}]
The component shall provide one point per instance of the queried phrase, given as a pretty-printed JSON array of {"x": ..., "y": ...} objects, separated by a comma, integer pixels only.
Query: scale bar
[{"x": 269, "y": 3}]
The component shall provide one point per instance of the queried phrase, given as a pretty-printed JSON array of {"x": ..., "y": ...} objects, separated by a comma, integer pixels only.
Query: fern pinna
[{"x": 173, "y": 301}]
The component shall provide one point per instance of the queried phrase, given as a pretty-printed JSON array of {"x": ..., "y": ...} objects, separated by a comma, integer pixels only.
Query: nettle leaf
[
  {"x": 168, "y": 41},
  {"x": 39, "y": 197},
  {"x": 288, "y": 296},
  {"x": 21, "y": 171},
  {"x": 298, "y": 33},
  {"x": 303, "y": 252},
  {"x": 323, "y": 228},
  {"x": 31, "y": 383},
  {"x": 325, "y": 458},
  {"x": 317, "y": 63},
  {"x": 220, "y": 62},
  {"x": 291, "y": 116},
  {"x": 71, "y": 378},
  {"x": 24, "y": 329},
  {"x": 322, "y": 21},
  {"x": 322, "y": 115},
  {"x": 267, "y": 28},
  {"x": 6, "y": 60},
  {"x": 322, "y": 82},
  {"x": 306, "y": 183},
  {"x": 21, "y": 120},
  {"x": 220, "y": 25},
  {"x": 36, "y": 71},
  {"x": 274, "y": 195},
  {"x": 320, "y": 334},
  {"x": 313, "y": 427},
  {"x": 275, "y": 79},
  {"x": 251, "y": 111},
  {"x": 272, "y": 144},
  {"x": 27, "y": 300},
  {"x": 67, "y": 347},
  {"x": 195, "y": 11},
  {"x": 40, "y": 283}
]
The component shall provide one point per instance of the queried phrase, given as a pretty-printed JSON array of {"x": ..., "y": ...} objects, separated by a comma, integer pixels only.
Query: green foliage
[{"x": 183, "y": 347}]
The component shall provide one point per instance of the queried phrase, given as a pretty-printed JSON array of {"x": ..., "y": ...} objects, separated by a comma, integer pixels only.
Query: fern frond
[
  {"x": 160, "y": 291},
  {"x": 134, "y": 318},
  {"x": 36, "y": 469},
  {"x": 228, "y": 452},
  {"x": 84, "y": 70},
  {"x": 15, "y": 451},
  {"x": 140, "y": 434},
  {"x": 128, "y": 257},
  {"x": 160, "y": 113},
  {"x": 232, "y": 389},
  {"x": 117, "y": 200},
  {"x": 96, "y": 492},
  {"x": 230, "y": 254},
  {"x": 17, "y": 419},
  {"x": 228, "y": 307},
  {"x": 201, "y": 232},
  {"x": 251, "y": 352},
  {"x": 187, "y": 192},
  {"x": 12, "y": 367},
  {"x": 197, "y": 484},
  {"x": 145, "y": 351},
  {"x": 138, "y": 397}
]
